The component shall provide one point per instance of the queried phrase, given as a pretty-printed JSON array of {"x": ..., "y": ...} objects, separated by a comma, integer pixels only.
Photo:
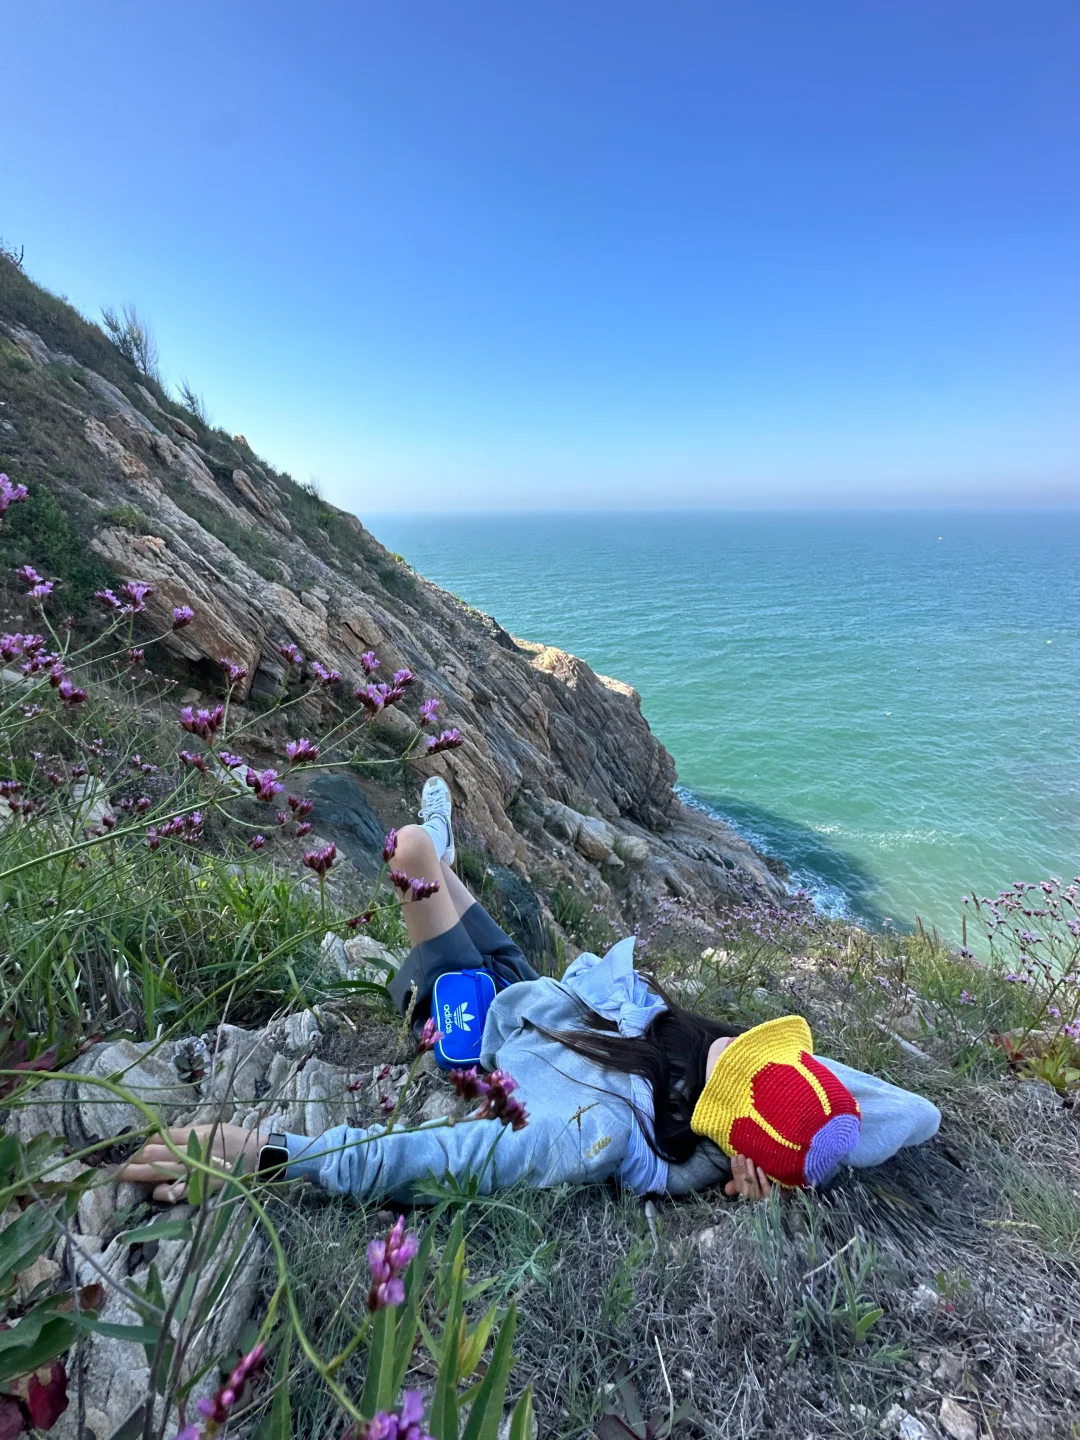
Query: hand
[
  {"x": 156, "y": 1165},
  {"x": 748, "y": 1181}
]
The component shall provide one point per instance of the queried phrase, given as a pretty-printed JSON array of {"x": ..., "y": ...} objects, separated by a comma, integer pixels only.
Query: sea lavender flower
[
  {"x": 1072, "y": 1030},
  {"x": 355, "y": 921},
  {"x": 136, "y": 655},
  {"x": 468, "y": 1084},
  {"x": 429, "y": 1037},
  {"x": 966, "y": 997},
  {"x": 217, "y": 1409},
  {"x": 257, "y": 842},
  {"x": 428, "y": 709},
  {"x": 291, "y": 654},
  {"x": 182, "y": 615},
  {"x": 9, "y": 788},
  {"x": 402, "y": 678},
  {"x": 404, "y": 1424},
  {"x": 108, "y": 599},
  {"x": 448, "y": 740},
  {"x": 29, "y": 576},
  {"x": 71, "y": 694},
  {"x": 196, "y": 761},
  {"x": 301, "y": 751},
  {"x": 389, "y": 846},
  {"x": 304, "y": 828},
  {"x": 370, "y": 662},
  {"x": 57, "y": 672},
  {"x": 422, "y": 888},
  {"x": 135, "y": 592},
  {"x": 400, "y": 881},
  {"x": 10, "y": 494},
  {"x": 204, "y": 723},
  {"x": 142, "y": 804},
  {"x": 499, "y": 1102},
  {"x": 235, "y": 673},
  {"x": 282, "y": 817},
  {"x": 324, "y": 676},
  {"x": 389, "y": 1260},
  {"x": 230, "y": 761},
  {"x": 11, "y": 646},
  {"x": 370, "y": 696},
  {"x": 265, "y": 783},
  {"x": 320, "y": 860},
  {"x": 299, "y": 806},
  {"x": 153, "y": 839}
]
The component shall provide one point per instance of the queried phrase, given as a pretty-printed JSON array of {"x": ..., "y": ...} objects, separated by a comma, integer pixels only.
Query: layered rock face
[{"x": 559, "y": 773}]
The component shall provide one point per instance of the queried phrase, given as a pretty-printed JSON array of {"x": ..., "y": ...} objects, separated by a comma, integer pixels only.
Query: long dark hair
[{"x": 670, "y": 1055}]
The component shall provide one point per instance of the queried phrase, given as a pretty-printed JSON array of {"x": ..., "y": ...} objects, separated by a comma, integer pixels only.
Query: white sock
[{"x": 439, "y": 830}]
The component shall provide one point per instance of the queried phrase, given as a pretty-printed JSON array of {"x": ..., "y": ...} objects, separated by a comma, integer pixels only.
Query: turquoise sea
[{"x": 888, "y": 701}]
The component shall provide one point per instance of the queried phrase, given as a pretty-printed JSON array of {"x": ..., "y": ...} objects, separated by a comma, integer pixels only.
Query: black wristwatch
[{"x": 273, "y": 1158}]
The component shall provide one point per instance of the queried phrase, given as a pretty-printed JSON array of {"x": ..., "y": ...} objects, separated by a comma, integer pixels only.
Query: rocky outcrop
[{"x": 559, "y": 776}]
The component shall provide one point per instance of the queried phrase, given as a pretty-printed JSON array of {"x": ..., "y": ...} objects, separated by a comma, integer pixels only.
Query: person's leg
[
  {"x": 501, "y": 953},
  {"x": 438, "y": 913},
  {"x": 440, "y": 941}
]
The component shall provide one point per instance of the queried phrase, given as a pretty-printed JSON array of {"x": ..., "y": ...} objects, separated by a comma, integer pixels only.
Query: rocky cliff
[{"x": 560, "y": 777}]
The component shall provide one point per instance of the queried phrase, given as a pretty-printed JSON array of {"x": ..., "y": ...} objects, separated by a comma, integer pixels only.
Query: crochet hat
[{"x": 770, "y": 1100}]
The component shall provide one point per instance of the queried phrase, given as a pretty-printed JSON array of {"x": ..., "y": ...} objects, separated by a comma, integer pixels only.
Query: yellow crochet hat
[{"x": 769, "y": 1099}]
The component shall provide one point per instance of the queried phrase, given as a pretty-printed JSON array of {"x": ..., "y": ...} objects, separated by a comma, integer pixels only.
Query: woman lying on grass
[{"x": 616, "y": 1079}]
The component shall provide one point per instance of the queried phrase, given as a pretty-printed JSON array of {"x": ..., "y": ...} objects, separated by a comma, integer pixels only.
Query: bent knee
[{"x": 415, "y": 852}]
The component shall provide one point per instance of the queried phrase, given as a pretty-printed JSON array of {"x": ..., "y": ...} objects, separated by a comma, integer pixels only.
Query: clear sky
[{"x": 481, "y": 254}]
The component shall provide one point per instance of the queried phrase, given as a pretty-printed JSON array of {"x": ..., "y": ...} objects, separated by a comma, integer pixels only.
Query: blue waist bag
[{"x": 459, "y": 1005}]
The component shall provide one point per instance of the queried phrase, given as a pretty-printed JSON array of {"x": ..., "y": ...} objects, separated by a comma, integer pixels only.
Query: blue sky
[{"x": 472, "y": 254}]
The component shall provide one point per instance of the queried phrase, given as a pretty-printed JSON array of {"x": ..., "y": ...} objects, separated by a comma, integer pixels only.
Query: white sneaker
[{"x": 435, "y": 806}]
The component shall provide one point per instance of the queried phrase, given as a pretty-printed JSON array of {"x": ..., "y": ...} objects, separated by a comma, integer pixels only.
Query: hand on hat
[{"x": 748, "y": 1181}]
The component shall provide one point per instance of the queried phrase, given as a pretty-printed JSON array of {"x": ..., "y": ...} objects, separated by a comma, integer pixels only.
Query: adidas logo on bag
[{"x": 460, "y": 1001}]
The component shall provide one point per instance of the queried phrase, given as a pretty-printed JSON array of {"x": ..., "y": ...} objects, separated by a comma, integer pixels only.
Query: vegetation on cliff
[{"x": 185, "y": 936}]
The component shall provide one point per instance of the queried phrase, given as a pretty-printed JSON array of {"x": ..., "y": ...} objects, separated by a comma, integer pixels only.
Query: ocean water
[{"x": 890, "y": 702}]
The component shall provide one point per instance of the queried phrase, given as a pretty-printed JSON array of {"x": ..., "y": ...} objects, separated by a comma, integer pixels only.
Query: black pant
[{"x": 474, "y": 943}]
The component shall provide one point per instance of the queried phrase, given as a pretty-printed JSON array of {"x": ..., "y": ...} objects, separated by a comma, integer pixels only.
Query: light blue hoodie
[{"x": 582, "y": 1127}]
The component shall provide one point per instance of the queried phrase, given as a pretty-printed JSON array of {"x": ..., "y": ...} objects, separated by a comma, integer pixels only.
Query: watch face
[{"x": 273, "y": 1161}]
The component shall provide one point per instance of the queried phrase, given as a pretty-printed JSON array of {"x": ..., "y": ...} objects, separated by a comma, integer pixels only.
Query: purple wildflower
[
  {"x": 304, "y": 828},
  {"x": 257, "y": 842},
  {"x": 236, "y": 673},
  {"x": 468, "y": 1084},
  {"x": 204, "y": 723},
  {"x": 1072, "y": 1030},
  {"x": 401, "y": 881},
  {"x": 196, "y": 762},
  {"x": 404, "y": 1424},
  {"x": 428, "y": 709},
  {"x": 265, "y": 783},
  {"x": 230, "y": 761},
  {"x": 370, "y": 662},
  {"x": 429, "y": 1037},
  {"x": 301, "y": 751},
  {"x": 389, "y": 846},
  {"x": 402, "y": 678},
  {"x": 448, "y": 740},
  {"x": 320, "y": 860},
  {"x": 142, "y": 804},
  {"x": 371, "y": 697},
  {"x": 325, "y": 677},
  {"x": 153, "y": 839},
  {"x": 136, "y": 592},
  {"x": 136, "y": 655},
  {"x": 182, "y": 615},
  {"x": 422, "y": 888},
  {"x": 71, "y": 694},
  {"x": 291, "y": 654},
  {"x": 108, "y": 599},
  {"x": 10, "y": 494},
  {"x": 389, "y": 1260},
  {"x": 282, "y": 817},
  {"x": 29, "y": 576},
  {"x": 217, "y": 1409},
  {"x": 966, "y": 997},
  {"x": 56, "y": 673},
  {"x": 299, "y": 806},
  {"x": 11, "y": 646},
  {"x": 499, "y": 1102}
]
